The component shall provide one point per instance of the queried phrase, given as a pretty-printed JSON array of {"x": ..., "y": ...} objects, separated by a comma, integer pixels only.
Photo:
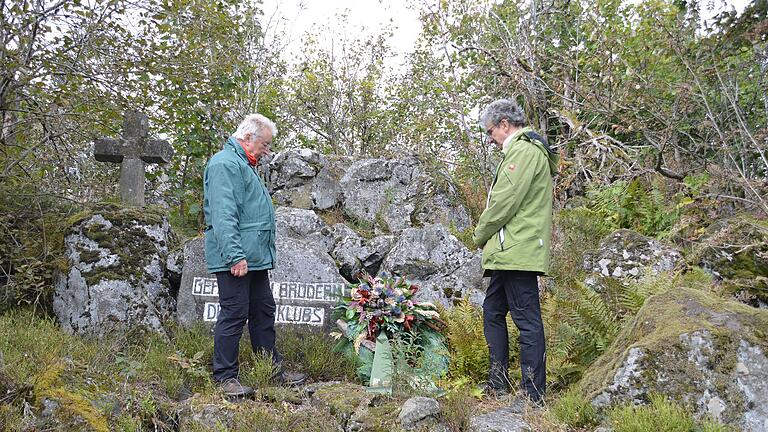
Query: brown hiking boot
[
  {"x": 291, "y": 378},
  {"x": 232, "y": 387}
]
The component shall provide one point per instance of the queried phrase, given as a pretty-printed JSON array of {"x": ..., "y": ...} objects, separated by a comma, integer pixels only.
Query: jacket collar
[
  {"x": 235, "y": 145},
  {"x": 512, "y": 138}
]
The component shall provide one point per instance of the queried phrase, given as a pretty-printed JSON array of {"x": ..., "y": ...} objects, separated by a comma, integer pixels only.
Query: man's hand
[{"x": 240, "y": 269}]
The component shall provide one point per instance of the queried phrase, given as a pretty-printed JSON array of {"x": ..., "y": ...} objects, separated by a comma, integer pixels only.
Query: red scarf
[{"x": 252, "y": 160}]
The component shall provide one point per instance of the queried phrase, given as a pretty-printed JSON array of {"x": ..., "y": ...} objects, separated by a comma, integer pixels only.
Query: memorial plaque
[{"x": 301, "y": 295}]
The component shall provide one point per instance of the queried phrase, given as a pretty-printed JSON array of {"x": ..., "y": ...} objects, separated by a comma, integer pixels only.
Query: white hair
[{"x": 256, "y": 125}]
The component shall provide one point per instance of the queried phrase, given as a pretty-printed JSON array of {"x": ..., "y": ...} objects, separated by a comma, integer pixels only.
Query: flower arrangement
[
  {"x": 384, "y": 304},
  {"x": 382, "y": 309}
]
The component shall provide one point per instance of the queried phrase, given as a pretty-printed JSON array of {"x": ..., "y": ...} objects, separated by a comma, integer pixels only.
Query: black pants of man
[
  {"x": 248, "y": 298},
  {"x": 516, "y": 292}
]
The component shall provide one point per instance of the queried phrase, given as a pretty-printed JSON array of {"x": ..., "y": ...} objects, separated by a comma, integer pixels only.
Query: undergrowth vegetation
[
  {"x": 134, "y": 381},
  {"x": 31, "y": 239},
  {"x": 141, "y": 374}
]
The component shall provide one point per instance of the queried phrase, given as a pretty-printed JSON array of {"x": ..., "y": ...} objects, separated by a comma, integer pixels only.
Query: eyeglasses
[{"x": 490, "y": 130}]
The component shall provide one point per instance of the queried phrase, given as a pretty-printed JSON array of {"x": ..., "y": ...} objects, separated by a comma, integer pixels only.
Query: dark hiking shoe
[
  {"x": 233, "y": 388},
  {"x": 494, "y": 391},
  {"x": 291, "y": 378}
]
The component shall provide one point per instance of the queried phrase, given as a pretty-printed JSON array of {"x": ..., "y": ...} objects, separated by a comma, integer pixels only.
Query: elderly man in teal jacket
[
  {"x": 240, "y": 249},
  {"x": 514, "y": 231}
]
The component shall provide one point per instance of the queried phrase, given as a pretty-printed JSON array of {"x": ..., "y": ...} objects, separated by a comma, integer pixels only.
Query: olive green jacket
[
  {"x": 516, "y": 227},
  {"x": 239, "y": 214}
]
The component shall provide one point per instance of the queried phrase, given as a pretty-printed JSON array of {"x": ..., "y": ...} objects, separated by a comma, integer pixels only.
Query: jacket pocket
[{"x": 257, "y": 244}]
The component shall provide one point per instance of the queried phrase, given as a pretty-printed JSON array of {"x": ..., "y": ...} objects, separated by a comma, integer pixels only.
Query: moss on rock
[
  {"x": 341, "y": 399},
  {"x": 77, "y": 409},
  {"x": 121, "y": 234},
  {"x": 683, "y": 343}
]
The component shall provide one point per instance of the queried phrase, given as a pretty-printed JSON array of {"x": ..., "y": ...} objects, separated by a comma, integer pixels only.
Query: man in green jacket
[
  {"x": 514, "y": 232},
  {"x": 240, "y": 249}
]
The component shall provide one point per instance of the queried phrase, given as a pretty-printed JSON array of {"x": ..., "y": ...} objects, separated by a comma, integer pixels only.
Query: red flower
[
  {"x": 372, "y": 329},
  {"x": 408, "y": 321}
]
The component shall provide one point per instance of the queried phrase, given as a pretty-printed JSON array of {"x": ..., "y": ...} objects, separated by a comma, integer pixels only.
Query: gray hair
[
  {"x": 502, "y": 109},
  {"x": 256, "y": 125}
]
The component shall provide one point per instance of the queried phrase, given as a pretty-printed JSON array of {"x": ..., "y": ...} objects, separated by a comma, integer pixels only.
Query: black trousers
[
  {"x": 248, "y": 298},
  {"x": 516, "y": 292}
]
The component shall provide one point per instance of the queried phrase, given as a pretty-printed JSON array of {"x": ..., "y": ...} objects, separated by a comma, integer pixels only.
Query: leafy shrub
[
  {"x": 469, "y": 358},
  {"x": 579, "y": 326},
  {"x": 419, "y": 360},
  {"x": 31, "y": 241},
  {"x": 649, "y": 209},
  {"x": 576, "y": 231},
  {"x": 466, "y": 342}
]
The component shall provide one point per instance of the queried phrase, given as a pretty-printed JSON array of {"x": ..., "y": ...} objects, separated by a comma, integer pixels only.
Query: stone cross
[{"x": 132, "y": 151}]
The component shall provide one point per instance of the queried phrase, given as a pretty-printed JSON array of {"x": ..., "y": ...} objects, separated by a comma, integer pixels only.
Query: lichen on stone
[{"x": 684, "y": 343}]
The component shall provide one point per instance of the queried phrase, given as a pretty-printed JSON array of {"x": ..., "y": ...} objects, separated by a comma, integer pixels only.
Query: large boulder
[
  {"x": 354, "y": 254},
  {"x": 116, "y": 272},
  {"x": 736, "y": 252},
  {"x": 306, "y": 179},
  {"x": 439, "y": 263},
  {"x": 391, "y": 195},
  {"x": 305, "y": 282},
  {"x": 626, "y": 256},
  {"x": 388, "y": 195},
  {"x": 694, "y": 347},
  {"x": 198, "y": 293}
]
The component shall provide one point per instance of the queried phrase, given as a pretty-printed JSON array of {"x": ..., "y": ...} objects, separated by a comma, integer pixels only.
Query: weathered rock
[
  {"x": 174, "y": 267},
  {"x": 306, "y": 282},
  {"x": 198, "y": 293},
  {"x": 440, "y": 264},
  {"x": 205, "y": 416},
  {"x": 391, "y": 195},
  {"x": 175, "y": 262},
  {"x": 306, "y": 179},
  {"x": 357, "y": 410},
  {"x": 379, "y": 248},
  {"x": 625, "y": 256},
  {"x": 116, "y": 273},
  {"x": 503, "y": 420},
  {"x": 736, "y": 252},
  {"x": 443, "y": 208},
  {"x": 381, "y": 192},
  {"x": 694, "y": 347},
  {"x": 416, "y": 410},
  {"x": 379, "y": 413},
  {"x": 349, "y": 251},
  {"x": 354, "y": 254},
  {"x": 342, "y": 399},
  {"x": 296, "y": 222}
]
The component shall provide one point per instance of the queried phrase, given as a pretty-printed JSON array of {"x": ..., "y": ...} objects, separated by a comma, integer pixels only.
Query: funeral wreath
[{"x": 384, "y": 306}]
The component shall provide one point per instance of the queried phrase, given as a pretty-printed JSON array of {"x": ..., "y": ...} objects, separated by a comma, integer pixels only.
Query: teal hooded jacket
[
  {"x": 239, "y": 215},
  {"x": 515, "y": 229}
]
